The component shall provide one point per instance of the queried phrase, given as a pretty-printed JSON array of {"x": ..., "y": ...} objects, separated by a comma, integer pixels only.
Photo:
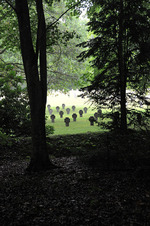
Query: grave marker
[
  {"x": 61, "y": 114},
  {"x": 67, "y": 120},
  {"x": 74, "y": 116},
  {"x": 92, "y": 120},
  {"x": 48, "y": 106},
  {"x": 73, "y": 108},
  {"x": 85, "y": 109},
  {"x": 80, "y": 113},
  {"x": 63, "y": 106},
  {"x": 57, "y": 108},
  {"x": 96, "y": 115},
  {"x": 53, "y": 118},
  {"x": 68, "y": 110},
  {"x": 50, "y": 111}
]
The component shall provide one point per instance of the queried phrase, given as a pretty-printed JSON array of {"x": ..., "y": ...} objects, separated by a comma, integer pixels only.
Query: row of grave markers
[
  {"x": 92, "y": 119},
  {"x": 67, "y": 109}
]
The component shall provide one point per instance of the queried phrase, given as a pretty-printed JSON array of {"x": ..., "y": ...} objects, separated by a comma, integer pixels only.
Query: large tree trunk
[
  {"x": 122, "y": 71},
  {"x": 36, "y": 81}
]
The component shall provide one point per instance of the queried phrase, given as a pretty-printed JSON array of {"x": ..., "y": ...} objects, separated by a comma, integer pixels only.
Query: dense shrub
[
  {"x": 136, "y": 119},
  {"x": 49, "y": 130},
  {"x": 14, "y": 105},
  {"x": 4, "y": 139}
]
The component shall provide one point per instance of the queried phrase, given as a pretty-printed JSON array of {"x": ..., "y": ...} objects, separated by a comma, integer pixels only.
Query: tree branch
[
  {"x": 63, "y": 14},
  {"x": 11, "y": 5},
  {"x": 2, "y": 51}
]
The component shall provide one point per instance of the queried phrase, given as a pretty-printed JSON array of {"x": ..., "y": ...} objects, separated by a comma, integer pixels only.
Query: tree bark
[
  {"x": 122, "y": 71},
  {"x": 36, "y": 81}
]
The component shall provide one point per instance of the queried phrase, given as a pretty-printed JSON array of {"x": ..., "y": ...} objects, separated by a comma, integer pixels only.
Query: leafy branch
[{"x": 63, "y": 14}]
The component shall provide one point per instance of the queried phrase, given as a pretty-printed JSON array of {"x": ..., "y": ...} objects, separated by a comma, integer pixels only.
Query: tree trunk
[
  {"x": 122, "y": 71},
  {"x": 36, "y": 81}
]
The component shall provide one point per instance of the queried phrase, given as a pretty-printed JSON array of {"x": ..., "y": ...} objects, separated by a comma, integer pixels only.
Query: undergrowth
[{"x": 108, "y": 150}]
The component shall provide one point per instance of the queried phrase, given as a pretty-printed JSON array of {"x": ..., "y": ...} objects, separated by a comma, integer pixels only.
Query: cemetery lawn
[
  {"x": 102, "y": 179},
  {"x": 81, "y": 125}
]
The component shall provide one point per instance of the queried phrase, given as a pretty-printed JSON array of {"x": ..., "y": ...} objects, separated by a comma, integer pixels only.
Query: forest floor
[{"x": 93, "y": 186}]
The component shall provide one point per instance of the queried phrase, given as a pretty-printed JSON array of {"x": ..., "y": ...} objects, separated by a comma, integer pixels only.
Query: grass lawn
[{"x": 82, "y": 124}]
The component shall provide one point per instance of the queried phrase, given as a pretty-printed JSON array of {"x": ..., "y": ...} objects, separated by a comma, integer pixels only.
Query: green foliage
[
  {"x": 49, "y": 130},
  {"x": 14, "y": 106},
  {"x": 4, "y": 139},
  {"x": 63, "y": 69},
  {"x": 116, "y": 33},
  {"x": 139, "y": 119},
  {"x": 9, "y": 28},
  {"x": 110, "y": 120}
]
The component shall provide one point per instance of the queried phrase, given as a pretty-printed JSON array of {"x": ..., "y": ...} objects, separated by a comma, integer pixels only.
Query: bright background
[
  {"x": 82, "y": 124},
  {"x": 69, "y": 99}
]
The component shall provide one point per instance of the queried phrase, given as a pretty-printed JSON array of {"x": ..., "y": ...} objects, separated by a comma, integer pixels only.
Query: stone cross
[
  {"x": 96, "y": 115},
  {"x": 81, "y": 113},
  {"x": 57, "y": 108},
  {"x": 73, "y": 108},
  {"x": 68, "y": 110},
  {"x": 74, "y": 116},
  {"x": 50, "y": 111},
  {"x": 61, "y": 114},
  {"x": 48, "y": 106},
  {"x": 63, "y": 106},
  {"x": 67, "y": 120},
  {"x": 53, "y": 118},
  {"x": 92, "y": 120},
  {"x": 85, "y": 109}
]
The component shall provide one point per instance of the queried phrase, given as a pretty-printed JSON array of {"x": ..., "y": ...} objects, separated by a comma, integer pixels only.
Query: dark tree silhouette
[
  {"x": 36, "y": 77},
  {"x": 120, "y": 31}
]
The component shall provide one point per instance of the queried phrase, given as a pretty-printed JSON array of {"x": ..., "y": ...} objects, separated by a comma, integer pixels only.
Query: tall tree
[
  {"x": 33, "y": 51},
  {"x": 120, "y": 29},
  {"x": 35, "y": 66}
]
